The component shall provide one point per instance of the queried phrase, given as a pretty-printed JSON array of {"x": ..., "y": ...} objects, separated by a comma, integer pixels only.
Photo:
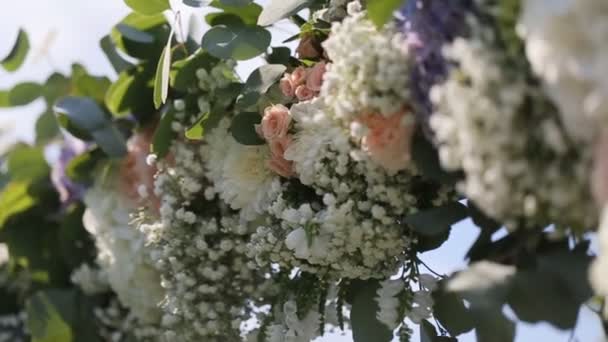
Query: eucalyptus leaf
[
  {"x": 280, "y": 9},
  {"x": 87, "y": 116},
  {"x": 246, "y": 10},
  {"x": 134, "y": 34},
  {"x": 450, "y": 311},
  {"x": 148, "y": 7},
  {"x": 15, "y": 198},
  {"x": 262, "y": 78},
  {"x": 243, "y": 128},
  {"x": 206, "y": 122},
  {"x": 24, "y": 93},
  {"x": 118, "y": 62},
  {"x": 141, "y": 36},
  {"x": 27, "y": 163},
  {"x": 436, "y": 220},
  {"x": 365, "y": 325},
  {"x": 428, "y": 333},
  {"x": 237, "y": 41},
  {"x": 132, "y": 92},
  {"x": 18, "y": 53},
  {"x": 196, "y": 3},
  {"x": 46, "y": 128}
]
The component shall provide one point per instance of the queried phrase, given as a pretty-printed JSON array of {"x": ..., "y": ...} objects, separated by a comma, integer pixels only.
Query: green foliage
[
  {"x": 141, "y": 36},
  {"x": 366, "y": 328},
  {"x": 81, "y": 168},
  {"x": 247, "y": 11},
  {"x": 236, "y": 40},
  {"x": 161, "y": 79},
  {"x": 183, "y": 72},
  {"x": 109, "y": 49},
  {"x": 243, "y": 128},
  {"x": 148, "y": 7},
  {"x": 27, "y": 163},
  {"x": 18, "y": 53},
  {"x": 436, "y": 220},
  {"x": 381, "y": 11},
  {"x": 132, "y": 92},
  {"x": 195, "y": 3},
  {"x": 164, "y": 134},
  {"x": 15, "y": 198},
  {"x": 280, "y": 9},
  {"x": 450, "y": 311},
  {"x": 44, "y": 321},
  {"x": 21, "y": 94},
  {"x": 83, "y": 117}
]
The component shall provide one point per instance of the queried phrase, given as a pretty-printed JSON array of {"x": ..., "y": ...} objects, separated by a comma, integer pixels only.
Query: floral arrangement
[{"x": 185, "y": 203}]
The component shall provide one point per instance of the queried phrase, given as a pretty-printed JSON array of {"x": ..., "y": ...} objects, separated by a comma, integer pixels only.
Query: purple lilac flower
[
  {"x": 69, "y": 191},
  {"x": 428, "y": 25}
]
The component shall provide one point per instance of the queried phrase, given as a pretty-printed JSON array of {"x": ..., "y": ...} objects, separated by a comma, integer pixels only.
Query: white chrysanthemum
[
  {"x": 599, "y": 269},
  {"x": 566, "y": 45},
  {"x": 506, "y": 136},
  {"x": 294, "y": 329},
  {"x": 239, "y": 172},
  {"x": 388, "y": 303},
  {"x": 368, "y": 70},
  {"x": 122, "y": 254}
]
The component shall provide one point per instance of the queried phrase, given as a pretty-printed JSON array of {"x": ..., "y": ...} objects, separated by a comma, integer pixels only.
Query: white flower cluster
[
  {"x": 199, "y": 247},
  {"x": 566, "y": 46},
  {"x": 368, "y": 72},
  {"x": 294, "y": 329},
  {"x": 347, "y": 217},
  {"x": 91, "y": 281},
  {"x": 239, "y": 173},
  {"x": 501, "y": 130},
  {"x": 118, "y": 324},
  {"x": 419, "y": 307},
  {"x": 121, "y": 253}
]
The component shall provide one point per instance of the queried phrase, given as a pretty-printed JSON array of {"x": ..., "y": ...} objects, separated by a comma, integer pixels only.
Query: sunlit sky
[{"x": 63, "y": 32}]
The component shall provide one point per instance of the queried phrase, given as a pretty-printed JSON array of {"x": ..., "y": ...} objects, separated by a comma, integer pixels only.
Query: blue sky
[{"x": 74, "y": 27}]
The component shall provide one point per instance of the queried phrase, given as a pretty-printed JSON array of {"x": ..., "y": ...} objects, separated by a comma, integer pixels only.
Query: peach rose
[
  {"x": 315, "y": 77},
  {"x": 275, "y": 122},
  {"x": 298, "y": 76},
  {"x": 277, "y": 161},
  {"x": 303, "y": 93},
  {"x": 286, "y": 87},
  {"x": 307, "y": 48},
  {"x": 388, "y": 139},
  {"x": 599, "y": 177}
]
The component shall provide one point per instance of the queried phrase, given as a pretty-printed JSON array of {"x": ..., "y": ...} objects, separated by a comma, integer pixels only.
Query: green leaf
[
  {"x": 279, "y": 9},
  {"x": 279, "y": 55},
  {"x": 247, "y": 11},
  {"x": 24, "y": 93},
  {"x": 148, "y": 7},
  {"x": 14, "y": 198},
  {"x": 132, "y": 93},
  {"x": 450, "y": 311},
  {"x": 44, "y": 321},
  {"x": 164, "y": 135},
  {"x": 381, "y": 11},
  {"x": 16, "y": 57},
  {"x": 46, "y": 128},
  {"x": 56, "y": 86},
  {"x": 5, "y": 101},
  {"x": 237, "y": 41},
  {"x": 87, "y": 116},
  {"x": 436, "y": 220},
  {"x": 141, "y": 36},
  {"x": 243, "y": 128},
  {"x": 161, "y": 80},
  {"x": 491, "y": 325},
  {"x": 196, "y": 3},
  {"x": 366, "y": 328},
  {"x": 109, "y": 49},
  {"x": 81, "y": 169},
  {"x": 235, "y": 3},
  {"x": 86, "y": 85},
  {"x": 261, "y": 79},
  {"x": 75, "y": 242},
  {"x": 183, "y": 72},
  {"x": 27, "y": 163},
  {"x": 428, "y": 333},
  {"x": 203, "y": 125}
]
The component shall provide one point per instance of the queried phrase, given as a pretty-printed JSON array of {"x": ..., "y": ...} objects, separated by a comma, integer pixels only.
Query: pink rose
[
  {"x": 315, "y": 77},
  {"x": 286, "y": 87},
  {"x": 298, "y": 76},
  {"x": 303, "y": 93},
  {"x": 599, "y": 177},
  {"x": 277, "y": 161},
  {"x": 275, "y": 122},
  {"x": 388, "y": 139}
]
